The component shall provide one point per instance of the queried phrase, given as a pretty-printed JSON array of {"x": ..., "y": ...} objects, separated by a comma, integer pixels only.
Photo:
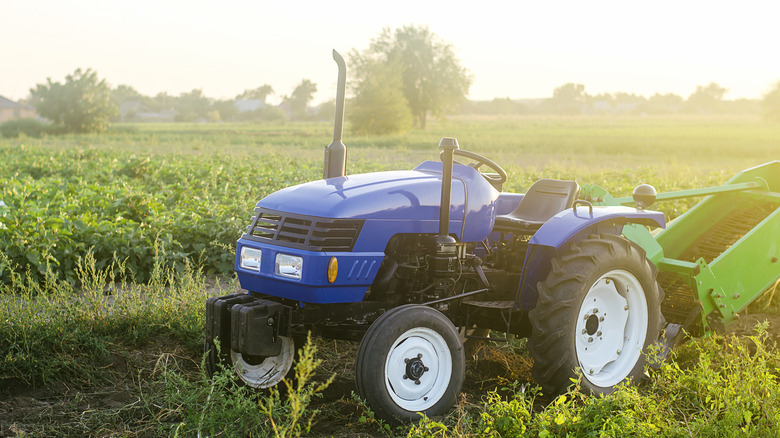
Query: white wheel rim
[
  {"x": 418, "y": 369},
  {"x": 611, "y": 328},
  {"x": 270, "y": 371}
]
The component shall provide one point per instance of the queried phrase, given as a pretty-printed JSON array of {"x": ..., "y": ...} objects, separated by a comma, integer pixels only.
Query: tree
[
  {"x": 629, "y": 102},
  {"x": 433, "y": 80},
  {"x": 380, "y": 106},
  {"x": 261, "y": 93},
  {"x": 707, "y": 99},
  {"x": 326, "y": 110},
  {"x": 770, "y": 104},
  {"x": 124, "y": 93},
  {"x": 569, "y": 98},
  {"x": 192, "y": 106},
  {"x": 668, "y": 103},
  {"x": 226, "y": 109},
  {"x": 82, "y": 104},
  {"x": 299, "y": 100}
]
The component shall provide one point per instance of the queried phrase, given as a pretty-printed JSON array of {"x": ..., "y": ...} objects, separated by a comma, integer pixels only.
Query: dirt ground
[{"x": 60, "y": 408}]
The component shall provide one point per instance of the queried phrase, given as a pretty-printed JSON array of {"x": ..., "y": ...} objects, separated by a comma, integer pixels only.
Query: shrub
[{"x": 28, "y": 127}]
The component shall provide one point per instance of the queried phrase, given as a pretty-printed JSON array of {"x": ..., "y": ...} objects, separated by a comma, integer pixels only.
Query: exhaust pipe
[{"x": 336, "y": 152}]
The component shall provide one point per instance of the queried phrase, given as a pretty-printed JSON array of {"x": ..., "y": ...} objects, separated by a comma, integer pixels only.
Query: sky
[{"x": 517, "y": 49}]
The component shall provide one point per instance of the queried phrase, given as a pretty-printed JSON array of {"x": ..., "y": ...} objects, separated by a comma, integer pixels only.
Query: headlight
[
  {"x": 250, "y": 258},
  {"x": 289, "y": 266}
]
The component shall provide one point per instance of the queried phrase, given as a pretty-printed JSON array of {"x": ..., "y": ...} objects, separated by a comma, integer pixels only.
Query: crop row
[
  {"x": 61, "y": 203},
  {"x": 59, "y": 206}
]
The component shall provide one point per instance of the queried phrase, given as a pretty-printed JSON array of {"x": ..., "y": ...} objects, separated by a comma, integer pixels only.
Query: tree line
[
  {"x": 571, "y": 99},
  {"x": 405, "y": 76},
  {"x": 194, "y": 106}
]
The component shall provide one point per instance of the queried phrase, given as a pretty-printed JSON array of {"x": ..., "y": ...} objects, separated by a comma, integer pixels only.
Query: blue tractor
[{"x": 414, "y": 263}]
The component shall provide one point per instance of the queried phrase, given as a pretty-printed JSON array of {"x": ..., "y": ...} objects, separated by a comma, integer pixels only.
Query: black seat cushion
[{"x": 544, "y": 199}]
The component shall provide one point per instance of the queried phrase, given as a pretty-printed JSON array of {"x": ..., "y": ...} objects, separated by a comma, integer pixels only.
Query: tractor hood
[{"x": 412, "y": 195}]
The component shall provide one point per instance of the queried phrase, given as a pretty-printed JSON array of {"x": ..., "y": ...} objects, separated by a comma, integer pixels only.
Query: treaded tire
[
  {"x": 608, "y": 270},
  {"x": 389, "y": 351}
]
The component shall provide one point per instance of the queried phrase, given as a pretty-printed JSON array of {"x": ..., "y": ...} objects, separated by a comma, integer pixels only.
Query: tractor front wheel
[
  {"x": 263, "y": 372},
  {"x": 598, "y": 311},
  {"x": 410, "y": 360}
]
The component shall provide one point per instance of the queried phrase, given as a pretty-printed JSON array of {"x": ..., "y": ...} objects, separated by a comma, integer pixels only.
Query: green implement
[{"x": 719, "y": 256}]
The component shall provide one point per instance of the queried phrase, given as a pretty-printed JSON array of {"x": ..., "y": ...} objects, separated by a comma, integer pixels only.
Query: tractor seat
[{"x": 544, "y": 199}]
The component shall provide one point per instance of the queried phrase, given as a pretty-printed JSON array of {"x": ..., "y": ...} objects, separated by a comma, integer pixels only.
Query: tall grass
[{"x": 51, "y": 331}]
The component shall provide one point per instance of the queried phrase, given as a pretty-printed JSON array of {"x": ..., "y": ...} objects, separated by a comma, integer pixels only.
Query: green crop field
[{"x": 111, "y": 244}]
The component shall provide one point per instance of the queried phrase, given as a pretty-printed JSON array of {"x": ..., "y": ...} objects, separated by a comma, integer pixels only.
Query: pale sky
[{"x": 517, "y": 49}]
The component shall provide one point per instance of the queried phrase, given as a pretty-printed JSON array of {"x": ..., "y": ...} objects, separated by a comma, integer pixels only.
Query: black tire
[
  {"x": 410, "y": 360},
  {"x": 569, "y": 331}
]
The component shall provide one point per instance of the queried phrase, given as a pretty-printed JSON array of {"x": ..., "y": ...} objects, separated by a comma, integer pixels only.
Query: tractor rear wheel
[
  {"x": 410, "y": 360},
  {"x": 598, "y": 311}
]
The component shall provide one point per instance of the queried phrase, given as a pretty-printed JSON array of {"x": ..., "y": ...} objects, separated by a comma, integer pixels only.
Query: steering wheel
[{"x": 497, "y": 178}]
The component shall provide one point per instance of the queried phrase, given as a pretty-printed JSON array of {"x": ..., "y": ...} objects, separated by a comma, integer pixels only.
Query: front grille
[{"x": 299, "y": 231}]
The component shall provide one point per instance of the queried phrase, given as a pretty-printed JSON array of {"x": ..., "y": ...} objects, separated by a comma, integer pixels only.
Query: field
[{"x": 113, "y": 242}]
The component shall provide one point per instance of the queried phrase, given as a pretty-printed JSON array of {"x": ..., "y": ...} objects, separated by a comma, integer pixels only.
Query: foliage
[
  {"x": 82, "y": 104},
  {"x": 668, "y": 103},
  {"x": 225, "y": 110},
  {"x": 267, "y": 114},
  {"x": 498, "y": 106},
  {"x": 61, "y": 206},
  {"x": 220, "y": 406},
  {"x": 706, "y": 99},
  {"x": 261, "y": 93},
  {"x": 710, "y": 387},
  {"x": 379, "y": 106},
  {"x": 770, "y": 104},
  {"x": 298, "y": 102},
  {"x": 50, "y": 331},
  {"x": 569, "y": 98},
  {"x": 192, "y": 106},
  {"x": 326, "y": 110},
  {"x": 27, "y": 127},
  {"x": 193, "y": 187},
  {"x": 433, "y": 80},
  {"x": 127, "y": 94}
]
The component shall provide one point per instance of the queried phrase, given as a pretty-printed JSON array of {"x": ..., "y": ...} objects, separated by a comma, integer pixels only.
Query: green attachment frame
[{"x": 719, "y": 256}]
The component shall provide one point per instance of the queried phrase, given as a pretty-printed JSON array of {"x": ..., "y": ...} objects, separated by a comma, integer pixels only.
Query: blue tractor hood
[{"x": 398, "y": 196}]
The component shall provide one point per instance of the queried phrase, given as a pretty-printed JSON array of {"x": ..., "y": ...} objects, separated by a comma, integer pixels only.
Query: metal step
[{"x": 508, "y": 305}]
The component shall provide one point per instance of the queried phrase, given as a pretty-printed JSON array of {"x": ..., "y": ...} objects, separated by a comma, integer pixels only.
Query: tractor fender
[
  {"x": 571, "y": 222},
  {"x": 572, "y": 225}
]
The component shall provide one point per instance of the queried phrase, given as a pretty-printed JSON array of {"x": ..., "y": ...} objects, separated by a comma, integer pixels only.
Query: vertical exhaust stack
[{"x": 336, "y": 152}]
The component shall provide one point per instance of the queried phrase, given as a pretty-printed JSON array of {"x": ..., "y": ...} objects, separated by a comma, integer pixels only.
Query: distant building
[
  {"x": 134, "y": 111},
  {"x": 602, "y": 106},
  {"x": 10, "y": 110},
  {"x": 246, "y": 105},
  {"x": 130, "y": 109}
]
